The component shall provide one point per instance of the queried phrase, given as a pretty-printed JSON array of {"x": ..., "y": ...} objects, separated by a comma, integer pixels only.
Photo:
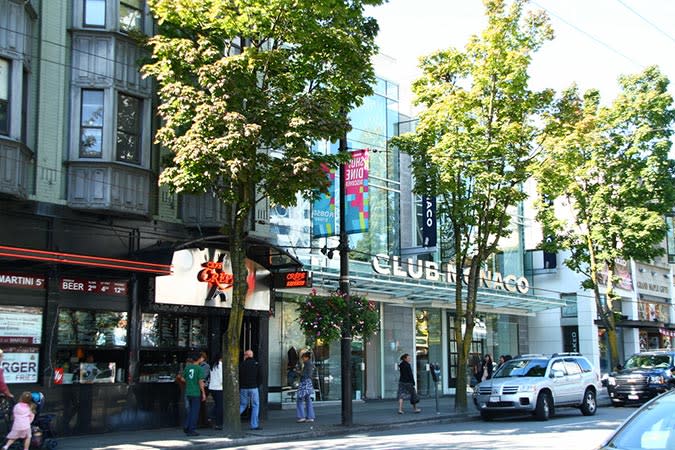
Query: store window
[
  {"x": 91, "y": 347},
  {"x": 166, "y": 341},
  {"x": 398, "y": 332},
  {"x": 20, "y": 339},
  {"x": 285, "y": 359},
  {"x": 91, "y": 124},
  {"x": 128, "y": 129},
  {"x": 94, "y": 13},
  {"x": 428, "y": 349},
  {"x": 131, "y": 15},
  {"x": 4, "y": 96}
]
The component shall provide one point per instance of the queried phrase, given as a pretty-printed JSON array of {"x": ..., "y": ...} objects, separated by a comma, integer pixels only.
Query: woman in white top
[{"x": 216, "y": 390}]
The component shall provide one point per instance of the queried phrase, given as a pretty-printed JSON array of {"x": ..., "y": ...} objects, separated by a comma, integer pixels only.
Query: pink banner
[{"x": 356, "y": 193}]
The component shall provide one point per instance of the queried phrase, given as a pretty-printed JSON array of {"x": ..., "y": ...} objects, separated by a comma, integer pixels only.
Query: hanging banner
[
  {"x": 323, "y": 210},
  {"x": 429, "y": 221},
  {"x": 356, "y": 193}
]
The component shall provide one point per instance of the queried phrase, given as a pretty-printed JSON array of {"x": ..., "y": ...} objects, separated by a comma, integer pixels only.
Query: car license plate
[
  {"x": 494, "y": 399},
  {"x": 633, "y": 397}
]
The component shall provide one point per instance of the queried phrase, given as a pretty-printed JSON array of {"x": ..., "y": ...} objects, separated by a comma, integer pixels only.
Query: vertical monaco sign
[
  {"x": 429, "y": 221},
  {"x": 356, "y": 193}
]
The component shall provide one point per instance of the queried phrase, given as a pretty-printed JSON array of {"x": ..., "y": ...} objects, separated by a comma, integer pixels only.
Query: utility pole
[{"x": 346, "y": 341}]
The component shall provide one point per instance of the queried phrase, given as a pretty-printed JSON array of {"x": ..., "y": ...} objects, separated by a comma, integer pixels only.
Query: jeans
[
  {"x": 247, "y": 396},
  {"x": 193, "y": 414},
  {"x": 217, "y": 407},
  {"x": 300, "y": 404}
]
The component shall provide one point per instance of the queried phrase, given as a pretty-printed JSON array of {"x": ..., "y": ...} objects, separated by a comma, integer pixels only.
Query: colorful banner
[
  {"x": 356, "y": 193},
  {"x": 323, "y": 210}
]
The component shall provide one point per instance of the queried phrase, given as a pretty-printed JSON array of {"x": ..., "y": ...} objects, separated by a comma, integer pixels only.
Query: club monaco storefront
[{"x": 416, "y": 304}]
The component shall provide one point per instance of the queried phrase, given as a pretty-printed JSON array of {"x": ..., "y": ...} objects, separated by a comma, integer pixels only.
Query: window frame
[
  {"x": 137, "y": 158},
  {"x": 4, "y": 127},
  {"x": 82, "y": 125},
  {"x": 84, "y": 14}
]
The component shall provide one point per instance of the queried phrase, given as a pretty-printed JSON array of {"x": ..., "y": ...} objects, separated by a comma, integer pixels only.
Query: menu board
[
  {"x": 100, "y": 328},
  {"x": 20, "y": 325}
]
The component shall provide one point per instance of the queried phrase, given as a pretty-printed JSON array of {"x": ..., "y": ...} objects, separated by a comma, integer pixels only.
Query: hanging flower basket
[{"x": 321, "y": 317}]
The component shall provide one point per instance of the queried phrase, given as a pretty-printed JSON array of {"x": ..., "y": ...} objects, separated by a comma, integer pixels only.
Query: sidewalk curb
[{"x": 334, "y": 430}]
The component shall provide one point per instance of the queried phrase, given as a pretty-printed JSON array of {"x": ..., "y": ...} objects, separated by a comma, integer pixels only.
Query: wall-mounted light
[{"x": 328, "y": 252}]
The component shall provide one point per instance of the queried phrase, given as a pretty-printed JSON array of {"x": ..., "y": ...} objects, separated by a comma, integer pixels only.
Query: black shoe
[
  {"x": 185, "y": 430},
  {"x": 192, "y": 433},
  {"x": 256, "y": 429},
  {"x": 217, "y": 427}
]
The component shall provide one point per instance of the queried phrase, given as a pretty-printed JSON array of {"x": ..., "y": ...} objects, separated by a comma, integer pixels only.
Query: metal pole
[{"x": 346, "y": 341}]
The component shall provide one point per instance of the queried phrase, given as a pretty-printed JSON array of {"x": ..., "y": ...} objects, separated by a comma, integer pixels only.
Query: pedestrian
[
  {"x": 193, "y": 376},
  {"x": 406, "y": 385},
  {"x": 487, "y": 368},
  {"x": 303, "y": 403},
  {"x": 206, "y": 369},
  {"x": 4, "y": 389},
  {"x": 23, "y": 412},
  {"x": 250, "y": 377},
  {"x": 216, "y": 390},
  {"x": 501, "y": 361}
]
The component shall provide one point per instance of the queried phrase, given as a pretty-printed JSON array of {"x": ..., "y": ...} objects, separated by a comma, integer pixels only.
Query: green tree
[
  {"x": 609, "y": 165},
  {"x": 245, "y": 86},
  {"x": 472, "y": 144}
]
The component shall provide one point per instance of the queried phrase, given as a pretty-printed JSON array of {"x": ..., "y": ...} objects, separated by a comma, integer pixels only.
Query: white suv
[{"x": 538, "y": 384}]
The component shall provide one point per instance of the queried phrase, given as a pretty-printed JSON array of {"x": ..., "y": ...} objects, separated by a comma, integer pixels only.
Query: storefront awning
[{"x": 428, "y": 293}]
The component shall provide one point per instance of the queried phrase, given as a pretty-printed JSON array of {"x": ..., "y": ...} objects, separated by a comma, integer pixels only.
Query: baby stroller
[{"x": 41, "y": 427}]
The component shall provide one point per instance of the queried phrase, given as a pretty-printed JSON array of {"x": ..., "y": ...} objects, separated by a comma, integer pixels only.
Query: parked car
[
  {"x": 650, "y": 427},
  {"x": 539, "y": 384},
  {"x": 644, "y": 376}
]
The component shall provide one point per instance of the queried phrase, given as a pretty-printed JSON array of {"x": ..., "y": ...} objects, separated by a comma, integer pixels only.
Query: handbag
[{"x": 414, "y": 397}]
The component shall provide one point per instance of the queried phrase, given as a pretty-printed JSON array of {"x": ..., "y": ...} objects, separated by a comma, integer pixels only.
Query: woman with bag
[
  {"x": 304, "y": 407},
  {"x": 406, "y": 385}
]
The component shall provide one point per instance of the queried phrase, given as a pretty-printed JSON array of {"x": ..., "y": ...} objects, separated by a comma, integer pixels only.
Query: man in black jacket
[{"x": 250, "y": 377}]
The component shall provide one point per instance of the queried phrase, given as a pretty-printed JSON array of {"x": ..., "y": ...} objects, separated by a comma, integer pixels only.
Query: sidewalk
[{"x": 280, "y": 426}]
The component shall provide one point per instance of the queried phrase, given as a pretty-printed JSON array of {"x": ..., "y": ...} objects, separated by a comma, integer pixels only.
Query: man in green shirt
[{"x": 194, "y": 393}]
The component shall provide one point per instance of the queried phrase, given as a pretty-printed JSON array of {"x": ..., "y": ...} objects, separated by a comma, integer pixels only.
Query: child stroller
[{"x": 41, "y": 427}]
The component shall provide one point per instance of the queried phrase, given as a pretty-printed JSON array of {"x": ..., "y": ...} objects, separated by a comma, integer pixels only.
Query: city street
[{"x": 568, "y": 430}]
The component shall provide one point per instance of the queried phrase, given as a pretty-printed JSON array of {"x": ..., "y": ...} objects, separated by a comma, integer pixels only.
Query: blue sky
[{"x": 596, "y": 40}]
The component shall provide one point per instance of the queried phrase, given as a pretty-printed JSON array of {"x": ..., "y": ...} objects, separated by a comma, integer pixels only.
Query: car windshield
[
  {"x": 651, "y": 427},
  {"x": 648, "y": 361},
  {"x": 522, "y": 368}
]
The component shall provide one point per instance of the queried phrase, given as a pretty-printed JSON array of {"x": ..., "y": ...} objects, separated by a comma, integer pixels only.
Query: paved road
[{"x": 568, "y": 430}]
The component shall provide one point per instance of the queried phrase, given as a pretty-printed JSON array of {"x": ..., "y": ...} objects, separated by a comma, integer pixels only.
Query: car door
[
  {"x": 575, "y": 385},
  {"x": 559, "y": 382}
]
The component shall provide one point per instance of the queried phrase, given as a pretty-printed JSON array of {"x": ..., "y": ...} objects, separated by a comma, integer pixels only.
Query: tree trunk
[{"x": 232, "y": 337}]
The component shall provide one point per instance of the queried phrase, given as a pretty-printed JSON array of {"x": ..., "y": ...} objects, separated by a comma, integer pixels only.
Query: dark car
[
  {"x": 650, "y": 427},
  {"x": 644, "y": 376}
]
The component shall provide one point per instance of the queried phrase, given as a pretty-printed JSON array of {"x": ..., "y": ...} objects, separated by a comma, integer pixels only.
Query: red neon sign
[{"x": 213, "y": 274}]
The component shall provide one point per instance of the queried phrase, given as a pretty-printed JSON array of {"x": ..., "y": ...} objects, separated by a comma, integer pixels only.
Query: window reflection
[
  {"x": 128, "y": 129},
  {"x": 131, "y": 15},
  {"x": 91, "y": 124}
]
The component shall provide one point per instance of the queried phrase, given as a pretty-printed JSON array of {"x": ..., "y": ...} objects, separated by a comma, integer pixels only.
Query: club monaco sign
[{"x": 432, "y": 271}]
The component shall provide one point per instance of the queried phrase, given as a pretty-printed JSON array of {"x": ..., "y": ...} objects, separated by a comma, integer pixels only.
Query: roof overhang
[{"x": 425, "y": 293}]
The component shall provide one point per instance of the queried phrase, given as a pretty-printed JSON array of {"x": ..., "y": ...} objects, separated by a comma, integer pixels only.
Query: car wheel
[
  {"x": 589, "y": 405},
  {"x": 544, "y": 406},
  {"x": 486, "y": 416}
]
